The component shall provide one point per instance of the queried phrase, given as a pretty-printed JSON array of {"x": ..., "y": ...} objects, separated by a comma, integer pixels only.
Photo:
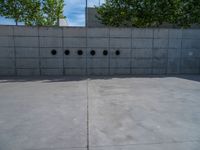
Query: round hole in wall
[
  {"x": 80, "y": 52},
  {"x": 117, "y": 52},
  {"x": 53, "y": 52},
  {"x": 105, "y": 52},
  {"x": 92, "y": 52},
  {"x": 67, "y": 52}
]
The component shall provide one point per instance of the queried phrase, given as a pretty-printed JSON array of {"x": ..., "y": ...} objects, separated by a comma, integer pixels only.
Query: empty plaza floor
[{"x": 100, "y": 113}]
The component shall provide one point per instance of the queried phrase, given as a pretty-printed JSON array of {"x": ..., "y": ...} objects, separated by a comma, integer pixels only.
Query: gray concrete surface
[{"x": 100, "y": 113}]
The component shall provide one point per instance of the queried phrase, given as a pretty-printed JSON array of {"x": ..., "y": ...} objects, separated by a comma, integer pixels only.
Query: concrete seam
[
  {"x": 15, "y": 60},
  {"x": 63, "y": 57},
  {"x": 131, "y": 61},
  {"x": 167, "y": 52},
  {"x": 181, "y": 53},
  {"x": 152, "y": 52},
  {"x": 39, "y": 53},
  {"x": 109, "y": 54},
  {"x": 86, "y": 62}
]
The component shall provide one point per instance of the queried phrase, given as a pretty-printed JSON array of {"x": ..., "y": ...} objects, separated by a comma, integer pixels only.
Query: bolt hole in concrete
[
  {"x": 80, "y": 52},
  {"x": 67, "y": 52},
  {"x": 105, "y": 52},
  {"x": 117, "y": 52},
  {"x": 92, "y": 52},
  {"x": 53, "y": 52}
]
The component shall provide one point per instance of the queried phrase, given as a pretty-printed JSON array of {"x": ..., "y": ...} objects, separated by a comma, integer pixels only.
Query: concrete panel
[
  {"x": 172, "y": 53},
  {"x": 120, "y": 71},
  {"x": 75, "y": 71},
  {"x": 97, "y": 71},
  {"x": 141, "y": 63},
  {"x": 74, "y": 32},
  {"x": 142, "y": 33},
  {"x": 175, "y": 43},
  {"x": 46, "y": 52},
  {"x": 54, "y": 72},
  {"x": 189, "y": 71},
  {"x": 97, "y": 32},
  {"x": 6, "y": 51},
  {"x": 142, "y": 43},
  {"x": 190, "y": 43},
  {"x": 173, "y": 66},
  {"x": 28, "y": 72},
  {"x": 6, "y": 41},
  {"x": 74, "y": 63},
  {"x": 74, "y": 42},
  {"x": 74, "y": 52},
  {"x": 120, "y": 63},
  {"x": 97, "y": 42},
  {"x": 120, "y": 32},
  {"x": 161, "y": 33},
  {"x": 159, "y": 63},
  {"x": 27, "y": 63},
  {"x": 159, "y": 71},
  {"x": 160, "y": 53},
  {"x": 142, "y": 53},
  {"x": 98, "y": 63},
  {"x": 26, "y": 41},
  {"x": 7, "y": 63},
  {"x": 6, "y": 30},
  {"x": 191, "y": 34},
  {"x": 190, "y": 63},
  {"x": 50, "y": 42},
  {"x": 160, "y": 43},
  {"x": 52, "y": 63},
  {"x": 50, "y": 31},
  {"x": 141, "y": 71},
  {"x": 123, "y": 53},
  {"x": 27, "y": 52},
  {"x": 25, "y": 31},
  {"x": 175, "y": 33},
  {"x": 190, "y": 52},
  {"x": 120, "y": 42},
  {"x": 7, "y": 72}
]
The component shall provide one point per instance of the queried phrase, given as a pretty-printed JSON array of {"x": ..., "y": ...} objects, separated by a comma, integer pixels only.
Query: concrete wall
[{"x": 28, "y": 51}]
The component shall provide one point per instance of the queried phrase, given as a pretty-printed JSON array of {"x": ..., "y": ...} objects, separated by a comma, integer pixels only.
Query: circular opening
[
  {"x": 117, "y": 52},
  {"x": 53, "y": 52},
  {"x": 67, "y": 52},
  {"x": 105, "y": 52},
  {"x": 92, "y": 52},
  {"x": 80, "y": 52}
]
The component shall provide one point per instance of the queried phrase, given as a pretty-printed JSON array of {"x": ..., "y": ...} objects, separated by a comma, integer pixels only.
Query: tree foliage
[
  {"x": 149, "y": 13},
  {"x": 33, "y": 12}
]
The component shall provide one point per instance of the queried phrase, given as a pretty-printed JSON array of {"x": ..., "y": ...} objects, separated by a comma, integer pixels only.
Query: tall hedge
[{"x": 149, "y": 13}]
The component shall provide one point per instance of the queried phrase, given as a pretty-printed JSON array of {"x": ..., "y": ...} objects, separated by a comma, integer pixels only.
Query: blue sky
[{"x": 74, "y": 11}]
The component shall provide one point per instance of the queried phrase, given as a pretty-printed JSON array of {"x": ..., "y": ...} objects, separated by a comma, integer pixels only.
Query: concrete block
[
  {"x": 120, "y": 42},
  {"x": 50, "y": 31},
  {"x": 120, "y": 63},
  {"x": 174, "y": 53},
  {"x": 175, "y": 43},
  {"x": 51, "y": 72},
  {"x": 74, "y": 42},
  {"x": 25, "y": 31},
  {"x": 79, "y": 71},
  {"x": 6, "y": 30},
  {"x": 190, "y": 63},
  {"x": 192, "y": 52},
  {"x": 7, "y": 63},
  {"x": 7, "y": 72},
  {"x": 97, "y": 32},
  {"x": 98, "y": 42},
  {"x": 98, "y": 52},
  {"x": 97, "y": 63},
  {"x": 142, "y": 33},
  {"x": 46, "y": 52},
  {"x": 142, "y": 43},
  {"x": 142, "y": 53},
  {"x": 27, "y": 63},
  {"x": 27, "y": 52},
  {"x": 190, "y": 43},
  {"x": 52, "y": 63},
  {"x": 74, "y": 63},
  {"x": 120, "y": 32},
  {"x": 26, "y": 41},
  {"x": 124, "y": 53},
  {"x": 141, "y": 71},
  {"x": 160, "y": 53},
  {"x": 141, "y": 63},
  {"x": 159, "y": 71},
  {"x": 50, "y": 42},
  {"x": 98, "y": 71},
  {"x": 28, "y": 72},
  {"x": 6, "y": 52},
  {"x": 161, "y": 33},
  {"x": 120, "y": 71},
  {"x": 175, "y": 33},
  {"x": 159, "y": 63},
  {"x": 191, "y": 34},
  {"x": 173, "y": 66},
  {"x": 74, "y": 32},
  {"x": 73, "y": 52},
  {"x": 160, "y": 43},
  {"x": 6, "y": 41}
]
